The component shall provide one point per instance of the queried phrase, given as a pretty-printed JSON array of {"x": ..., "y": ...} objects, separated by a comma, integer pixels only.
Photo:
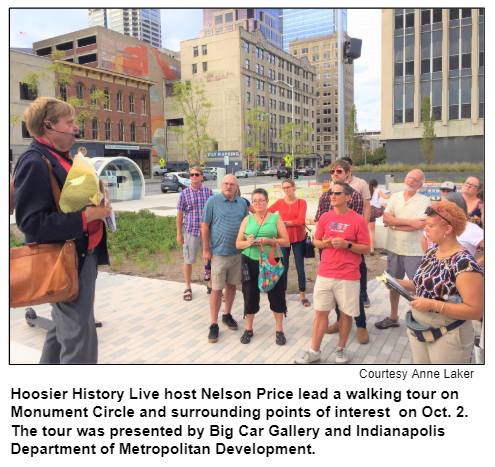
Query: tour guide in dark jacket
[{"x": 72, "y": 337}]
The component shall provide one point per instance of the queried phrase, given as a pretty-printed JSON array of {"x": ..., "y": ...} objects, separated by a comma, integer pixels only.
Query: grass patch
[
  {"x": 141, "y": 234},
  {"x": 391, "y": 168},
  {"x": 15, "y": 242}
]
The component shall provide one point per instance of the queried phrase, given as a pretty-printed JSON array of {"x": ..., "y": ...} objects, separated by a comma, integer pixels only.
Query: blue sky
[{"x": 184, "y": 24}]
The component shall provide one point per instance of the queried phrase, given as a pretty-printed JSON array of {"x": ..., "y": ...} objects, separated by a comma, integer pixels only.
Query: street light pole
[
  {"x": 292, "y": 129},
  {"x": 365, "y": 146}
]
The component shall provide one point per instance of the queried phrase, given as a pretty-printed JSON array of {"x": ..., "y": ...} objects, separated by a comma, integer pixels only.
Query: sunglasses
[
  {"x": 429, "y": 211},
  {"x": 336, "y": 193},
  {"x": 337, "y": 171},
  {"x": 470, "y": 185},
  {"x": 195, "y": 175}
]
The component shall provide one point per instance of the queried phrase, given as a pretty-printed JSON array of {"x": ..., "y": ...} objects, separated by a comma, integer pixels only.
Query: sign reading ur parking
[{"x": 223, "y": 154}]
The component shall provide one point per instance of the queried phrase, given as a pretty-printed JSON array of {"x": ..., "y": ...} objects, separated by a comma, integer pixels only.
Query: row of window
[
  {"x": 204, "y": 50},
  {"x": 107, "y": 131},
  {"x": 195, "y": 67},
  {"x": 405, "y": 18}
]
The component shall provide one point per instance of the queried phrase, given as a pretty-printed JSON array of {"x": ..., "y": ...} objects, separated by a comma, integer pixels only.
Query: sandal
[
  {"x": 280, "y": 338},
  {"x": 208, "y": 290},
  {"x": 246, "y": 337},
  {"x": 187, "y": 295},
  {"x": 305, "y": 302}
]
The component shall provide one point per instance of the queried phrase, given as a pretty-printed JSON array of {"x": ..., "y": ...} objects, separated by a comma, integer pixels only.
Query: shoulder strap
[{"x": 53, "y": 181}]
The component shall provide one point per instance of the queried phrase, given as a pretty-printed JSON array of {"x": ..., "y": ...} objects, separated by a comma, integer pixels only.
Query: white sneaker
[
  {"x": 340, "y": 355},
  {"x": 308, "y": 358}
]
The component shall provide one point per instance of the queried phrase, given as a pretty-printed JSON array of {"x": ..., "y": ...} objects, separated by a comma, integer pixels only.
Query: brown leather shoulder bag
[{"x": 45, "y": 273}]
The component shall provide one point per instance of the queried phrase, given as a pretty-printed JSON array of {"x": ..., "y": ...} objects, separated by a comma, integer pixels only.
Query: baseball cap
[{"x": 449, "y": 186}]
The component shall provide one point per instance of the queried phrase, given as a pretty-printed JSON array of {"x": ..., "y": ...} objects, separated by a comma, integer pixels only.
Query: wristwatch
[{"x": 349, "y": 245}]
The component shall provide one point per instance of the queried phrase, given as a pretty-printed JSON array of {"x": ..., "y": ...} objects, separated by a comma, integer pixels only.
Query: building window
[
  {"x": 24, "y": 131},
  {"x": 248, "y": 97},
  {"x": 120, "y": 103},
  {"x": 316, "y": 58},
  {"x": 79, "y": 91},
  {"x": 262, "y": 70},
  {"x": 229, "y": 17},
  {"x": 121, "y": 130},
  {"x": 257, "y": 68},
  {"x": 481, "y": 96},
  {"x": 195, "y": 51},
  {"x": 92, "y": 93},
  {"x": 257, "y": 100},
  {"x": 108, "y": 129},
  {"x": 94, "y": 128},
  {"x": 63, "y": 92},
  {"x": 218, "y": 20},
  {"x": 131, "y": 103},
  {"x": 247, "y": 64},
  {"x": 205, "y": 66},
  {"x": 218, "y": 30},
  {"x": 246, "y": 47},
  {"x": 26, "y": 94},
  {"x": 294, "y": 52},
  {"x": 209, "y": 32},
  {"x": 144, "y": 128},
  {"x": 143, "y": 105},
  {"x": 248, "y": 81},
  {"x": 257, "y": 52},
  {"x": 204, "y": 49},
  {"x": 106, "y": 99},
  {"x": 194, "y": 68},
  {"x": 133, "y": 132}
]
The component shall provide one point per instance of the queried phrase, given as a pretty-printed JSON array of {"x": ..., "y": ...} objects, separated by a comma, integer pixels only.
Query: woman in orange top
[{"x": 292, "y": 210}]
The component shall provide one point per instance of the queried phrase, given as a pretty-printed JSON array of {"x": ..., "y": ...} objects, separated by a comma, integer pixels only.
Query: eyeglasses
[
  {"x": 429, "y": 211},
  {"x": 470, "y": 185},
  {"x": 259, "y": 201},
  {"x": 195, "y": 175},
  {"x": 336, "y": 193},
  {"x": 415, "y": 180},
  {"x": 338, "y": 171}
]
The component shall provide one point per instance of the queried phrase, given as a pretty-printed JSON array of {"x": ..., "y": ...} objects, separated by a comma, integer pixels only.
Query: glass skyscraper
[{"x": 304, "y": 23}]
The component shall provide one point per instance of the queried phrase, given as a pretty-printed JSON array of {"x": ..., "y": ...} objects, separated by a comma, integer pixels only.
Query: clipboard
[{"x": 394, "y": 285}]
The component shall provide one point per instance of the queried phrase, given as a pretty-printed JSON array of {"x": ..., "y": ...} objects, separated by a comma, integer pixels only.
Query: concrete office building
[
  {"x": 106, "y": 50},
  {"x": 322, "y": 52},
  {"x": 307, "y": 23},
  {"x": 238, "y": 70},
  {"x": 437, "y": 53},
  {"x": 220, "y": 20},
  {"x": 141, "y": 23}
]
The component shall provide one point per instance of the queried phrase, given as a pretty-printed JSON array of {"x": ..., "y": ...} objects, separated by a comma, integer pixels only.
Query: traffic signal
[{"x": 352, "y": 50}]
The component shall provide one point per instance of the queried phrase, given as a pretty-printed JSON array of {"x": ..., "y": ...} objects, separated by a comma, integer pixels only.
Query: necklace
[
  {"x": 262, "y": 218},
  {"x": 442, "y": 257}
]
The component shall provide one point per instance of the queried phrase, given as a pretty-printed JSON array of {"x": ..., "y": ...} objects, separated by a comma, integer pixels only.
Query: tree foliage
[
  {"x": 296, "y": 136},
  {"x": 427, "y": 141},
  {"x": 378, "y": 156},
  {"x": 190, "y": 101},
  {"x": 13, "y": 121},
  {"x": 351, "y": 138}
]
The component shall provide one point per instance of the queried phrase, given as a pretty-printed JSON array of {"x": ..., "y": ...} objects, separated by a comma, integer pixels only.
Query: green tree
[
  {"x": 257, "y": 123},
  {"x": 14, "y": 120},
  {"x": 190, "y": 101},
  {"x": 378, "y": 156},
  {"x": 295, "y": 137},
  {"x": 427, "y": 141},
  {"x": 351, "y": 138}
]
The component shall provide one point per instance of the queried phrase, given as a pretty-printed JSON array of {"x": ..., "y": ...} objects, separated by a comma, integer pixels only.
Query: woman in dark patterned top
[
  {"x": 448, "y": 286},
  {"x": 472, "y": 192}
]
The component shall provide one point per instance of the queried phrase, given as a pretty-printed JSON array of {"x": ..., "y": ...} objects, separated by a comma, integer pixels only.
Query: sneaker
[
  {"x": 230, "y": 322},
  {"x": 387, "y": 323},
  {"x": 333, "y": 329},
  {"x": 213, "y": 335},
  {"x": 308, "y": 358},
  {"x": 363, "y": 336},
  {"x": 340, "y": 356},
  {"x": 367, "y": 303}
]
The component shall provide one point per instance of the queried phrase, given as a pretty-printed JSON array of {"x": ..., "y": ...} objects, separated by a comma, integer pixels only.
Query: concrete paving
[{"x": 147, "y": 321}]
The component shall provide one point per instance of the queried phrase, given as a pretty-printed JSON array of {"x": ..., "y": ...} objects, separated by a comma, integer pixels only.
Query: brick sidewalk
[{"x": 147, "y": 321}]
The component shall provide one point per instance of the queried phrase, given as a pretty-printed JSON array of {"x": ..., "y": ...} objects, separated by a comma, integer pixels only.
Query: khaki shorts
[
  {"x": 328, "y": 292},
  {"x": 225, "y": 269},
  {"x": 190, "y": 248}
]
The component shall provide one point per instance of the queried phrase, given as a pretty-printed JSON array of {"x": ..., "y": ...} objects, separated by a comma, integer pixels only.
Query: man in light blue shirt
[{"x": 220, "y": 223}]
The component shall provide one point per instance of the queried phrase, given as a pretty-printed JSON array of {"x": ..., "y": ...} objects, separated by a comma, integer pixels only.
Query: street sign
[
  {"x": 162, "y": 161},
  {"x": 189, "y": 160},
  {"x": 225, "y": 160}
]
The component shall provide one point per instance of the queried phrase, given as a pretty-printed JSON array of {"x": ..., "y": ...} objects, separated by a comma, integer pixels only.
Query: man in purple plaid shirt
[
  {"x": 190, "y": 206},
  {"x": 340, "y": 170}
]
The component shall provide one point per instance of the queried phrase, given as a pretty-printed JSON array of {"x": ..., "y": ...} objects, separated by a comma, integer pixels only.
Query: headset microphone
[{"x": 49, "y": 127}]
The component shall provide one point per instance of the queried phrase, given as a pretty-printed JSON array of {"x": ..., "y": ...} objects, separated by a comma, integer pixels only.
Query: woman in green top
[{"x": 265, "y": 229}]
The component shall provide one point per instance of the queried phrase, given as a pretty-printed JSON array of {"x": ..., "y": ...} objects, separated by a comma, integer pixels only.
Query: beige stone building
[
  {"x": 21, "y": 97},
  {"x": 238, "y": 70},
  {"x": 322, "y": 52},
  {"x": 437, "y": 53}
]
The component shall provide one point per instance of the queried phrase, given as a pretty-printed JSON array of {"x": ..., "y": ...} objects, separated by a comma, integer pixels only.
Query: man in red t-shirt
[{"x": 343, "y": 236}]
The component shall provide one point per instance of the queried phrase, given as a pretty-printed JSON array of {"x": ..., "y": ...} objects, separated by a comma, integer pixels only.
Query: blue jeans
[
  {"x": 298, "y": 249},
  {"x": 363, "y": 295}
]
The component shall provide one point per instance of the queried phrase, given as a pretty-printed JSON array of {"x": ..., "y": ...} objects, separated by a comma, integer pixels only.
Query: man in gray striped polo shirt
[{"x": 220, "y": 223}]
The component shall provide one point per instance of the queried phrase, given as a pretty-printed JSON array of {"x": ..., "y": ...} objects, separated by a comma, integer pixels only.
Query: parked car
[
  {"x": 259, "y": 173},
  {"x": 175, "y": 181},
  {"x": 244, "y": 173},
  {"x": 207, "y": 175},
  {"x": 159, "y": 171},
  {"x": 271, "y": 171},
  {"x": 286, "y": 172},
  {"x": 306, "y": 171}
]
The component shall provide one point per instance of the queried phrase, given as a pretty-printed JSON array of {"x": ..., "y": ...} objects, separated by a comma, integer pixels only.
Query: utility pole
[{"x": 340, "y": 86}]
